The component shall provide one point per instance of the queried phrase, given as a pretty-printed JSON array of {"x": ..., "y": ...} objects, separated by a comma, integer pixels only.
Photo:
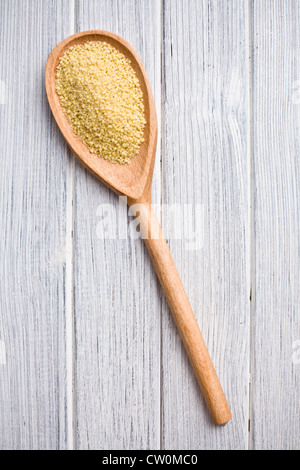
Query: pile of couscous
[{"x": 102, "y": 99}]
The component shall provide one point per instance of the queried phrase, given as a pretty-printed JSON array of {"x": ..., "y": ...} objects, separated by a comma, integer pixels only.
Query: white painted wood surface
[
  {"x": 117, "y": 298},
  {"x": 275, "y": 324},
  {"x": 34, "y": 173},
  {"x": 205, "y": 162},
  {"x": 89, "y": 354}
]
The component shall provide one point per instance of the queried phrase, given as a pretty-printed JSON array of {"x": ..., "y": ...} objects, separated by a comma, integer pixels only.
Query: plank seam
[
  {"x": 70, "y": 327},
  {"x": 162, "y": 152}
]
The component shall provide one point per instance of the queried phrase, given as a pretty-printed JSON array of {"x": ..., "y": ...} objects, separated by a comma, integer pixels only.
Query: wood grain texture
[
  {"x": 205, "y": 162},
  {"x": 275, "y": 383},
  {"x": 134, "y": 182},
  {"x": 87, "y": 343},
  {"x": 117, "y": 297},
  {"x": 183, "y": 315},
  {"x": 33, "y": 178}
]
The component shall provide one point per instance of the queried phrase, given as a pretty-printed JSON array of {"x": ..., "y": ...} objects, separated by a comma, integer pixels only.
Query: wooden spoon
[{"x": 134, "y": 181}]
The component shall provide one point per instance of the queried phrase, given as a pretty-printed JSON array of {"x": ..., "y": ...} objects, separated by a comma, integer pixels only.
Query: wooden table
[{"x": 89, "y": 354}]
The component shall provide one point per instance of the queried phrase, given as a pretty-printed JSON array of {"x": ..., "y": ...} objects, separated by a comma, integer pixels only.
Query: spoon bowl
[{"x": 134, "y": 181}]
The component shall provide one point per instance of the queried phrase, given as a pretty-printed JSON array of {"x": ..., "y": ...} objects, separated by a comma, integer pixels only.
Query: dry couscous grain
[{"x": 102, "y": 99}]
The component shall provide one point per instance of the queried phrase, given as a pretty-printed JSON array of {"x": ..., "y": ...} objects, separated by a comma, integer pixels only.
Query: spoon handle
[{"x": 183, "y": 314}]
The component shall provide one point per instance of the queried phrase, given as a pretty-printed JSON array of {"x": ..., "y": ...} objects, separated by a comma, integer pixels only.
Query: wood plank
[
  {"x": 35, "y": 166},
  {"x": 275, "y": 383},
  {"x": 117, "y": 297},
  {"x": 205, "y": 165},
  {"x": 206, "y": 162}
]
